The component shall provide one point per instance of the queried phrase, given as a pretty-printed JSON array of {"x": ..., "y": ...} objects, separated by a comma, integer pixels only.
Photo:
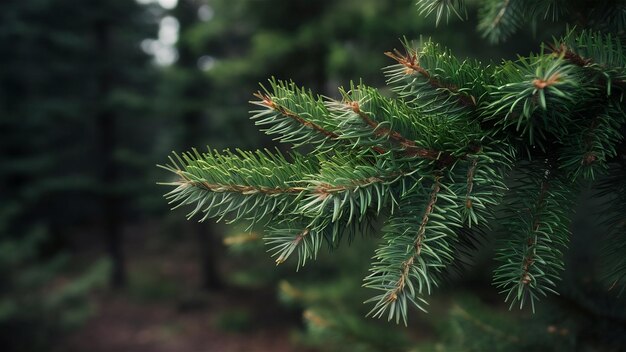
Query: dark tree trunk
[
  {"x": 207, "y": 245},
  {"x": 195, "y": 90},
  {"x": 207, "y": 240},
  {"x": 106, "y": 135}
]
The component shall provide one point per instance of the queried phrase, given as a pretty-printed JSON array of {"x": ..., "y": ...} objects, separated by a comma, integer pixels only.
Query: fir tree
[
  {"x": 432, "y": 164},
  {"x": 70, "y": 107}
]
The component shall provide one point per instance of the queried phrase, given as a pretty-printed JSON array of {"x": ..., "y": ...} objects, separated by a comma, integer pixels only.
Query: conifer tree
[
  {"x": 461, "y": 148},
  {"x": 69, "y": 68}
]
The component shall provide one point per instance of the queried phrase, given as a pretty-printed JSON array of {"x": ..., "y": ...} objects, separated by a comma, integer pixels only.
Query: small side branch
[
  {"x": 569, "y": 55},
  {"x": 429, "y": 209},
  {"x": 411, "y": 62},
  {"x": 294, "y": 243},
  {"x": 574, "y": 58},
  {"x": 409, "y": 146},
  {"x": 268, "y": 102},
  {"x": 417, "y": 245},
  {"x": 529, "y": 258},
  {"x": 323, "y": 190},
  {"x": 501, "y": 13}
]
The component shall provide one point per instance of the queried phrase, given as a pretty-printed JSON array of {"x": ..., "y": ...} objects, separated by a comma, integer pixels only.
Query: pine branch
[
  {"x": 295, "y": 116},
  {"x": 347, "y": 189},
  {"x": 500, "y": 19},
  {"x": 409, "y": 146},
  {"x": 456, "y": 82},
  {"x": 416, "y": 250},
  {"x": 285, "y": 241},
  {"x": 432, "y": 161},
  {"x": 259, "y": 186},
  {"x": 248, "y": 186},
  {"x": 370, "y": 119},
  {"x": 592, "y": 143},
  {"x": 479, "y": 182},
  {"x": 457, "y": 7},
  {"x": 535, "y": 96},
  {"x": 289, "y": 234},
  {"x": 185, "y": 182},
  {"x": 267, "y": 101},
  {"x": 331, "y": 114},
  {"x": 600, "y": 54},
  {"x": 531, "y": 255}
]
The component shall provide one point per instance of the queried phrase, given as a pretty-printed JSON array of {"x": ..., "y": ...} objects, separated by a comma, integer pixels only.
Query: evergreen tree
[
  {"x": 71, "y": 104},
  {"x": 433, "y": 163},
  {"x": 40, "y": 297}
]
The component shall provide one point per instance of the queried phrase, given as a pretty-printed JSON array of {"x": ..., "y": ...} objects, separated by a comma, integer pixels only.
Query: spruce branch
[
  {"x": 295, "y": 115},
  {"x": 344, "y": 189},
  {"x": 535, "y": 95},
  {"x": 408, "y": 146},
  {"x": 245, "y": 186},
  {"x": 266, "y": 100},
  {"x": 431, "y": 78},
  {"x": 285, "y": 240},
  {"x": 368, "y": 118},
  {"x": 592, "y": 143},
  {"x": 602, "y": 55},
  {"x": 456, "y": 7},
  {"x": 537, "y": 232},
  {"x": 418, "y": 247},
  {"x": 479, "y": 181},
  {"x": 431, "y": 163},
  {"x": 475, "y": 208},
  {"x": 500, "y": 19}
]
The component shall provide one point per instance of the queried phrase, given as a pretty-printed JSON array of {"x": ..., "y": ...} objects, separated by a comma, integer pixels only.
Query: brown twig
[
  {"x": 296, "y": 241},
  {"x": 471, "y": 170},
  {"x": 529, "y": 259},
  {"x": 576, "y": 59},
  {"x": 325, "y": 189},
  {"x": 429, "y": 209},
  {"x": 243, "y": 189},
  {"x": 569, "y": 55},
  {"x": 267, "y": 101}
]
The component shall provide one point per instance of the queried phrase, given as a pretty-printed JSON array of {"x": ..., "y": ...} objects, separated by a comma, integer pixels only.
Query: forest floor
[
  {"x": 124, "y": 325},
  {"x": 163, "y": 310}
]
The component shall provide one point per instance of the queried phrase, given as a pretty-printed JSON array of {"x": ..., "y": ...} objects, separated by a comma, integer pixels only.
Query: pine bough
[{"x": 431, "y": 165}]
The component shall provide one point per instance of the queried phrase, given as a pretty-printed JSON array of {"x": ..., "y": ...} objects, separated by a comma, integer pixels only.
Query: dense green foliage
[
  {"x": 501, "y": 19},
  {"x": 85, "y": 114},
  {"x": 430, "y": 163}
]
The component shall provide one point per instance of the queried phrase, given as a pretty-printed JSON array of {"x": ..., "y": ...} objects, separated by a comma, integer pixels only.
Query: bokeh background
[{"x": 94, "y": 94}]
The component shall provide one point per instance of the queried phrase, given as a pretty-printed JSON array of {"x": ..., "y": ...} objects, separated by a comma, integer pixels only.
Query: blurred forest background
[{"x": 94, "y": 94}]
